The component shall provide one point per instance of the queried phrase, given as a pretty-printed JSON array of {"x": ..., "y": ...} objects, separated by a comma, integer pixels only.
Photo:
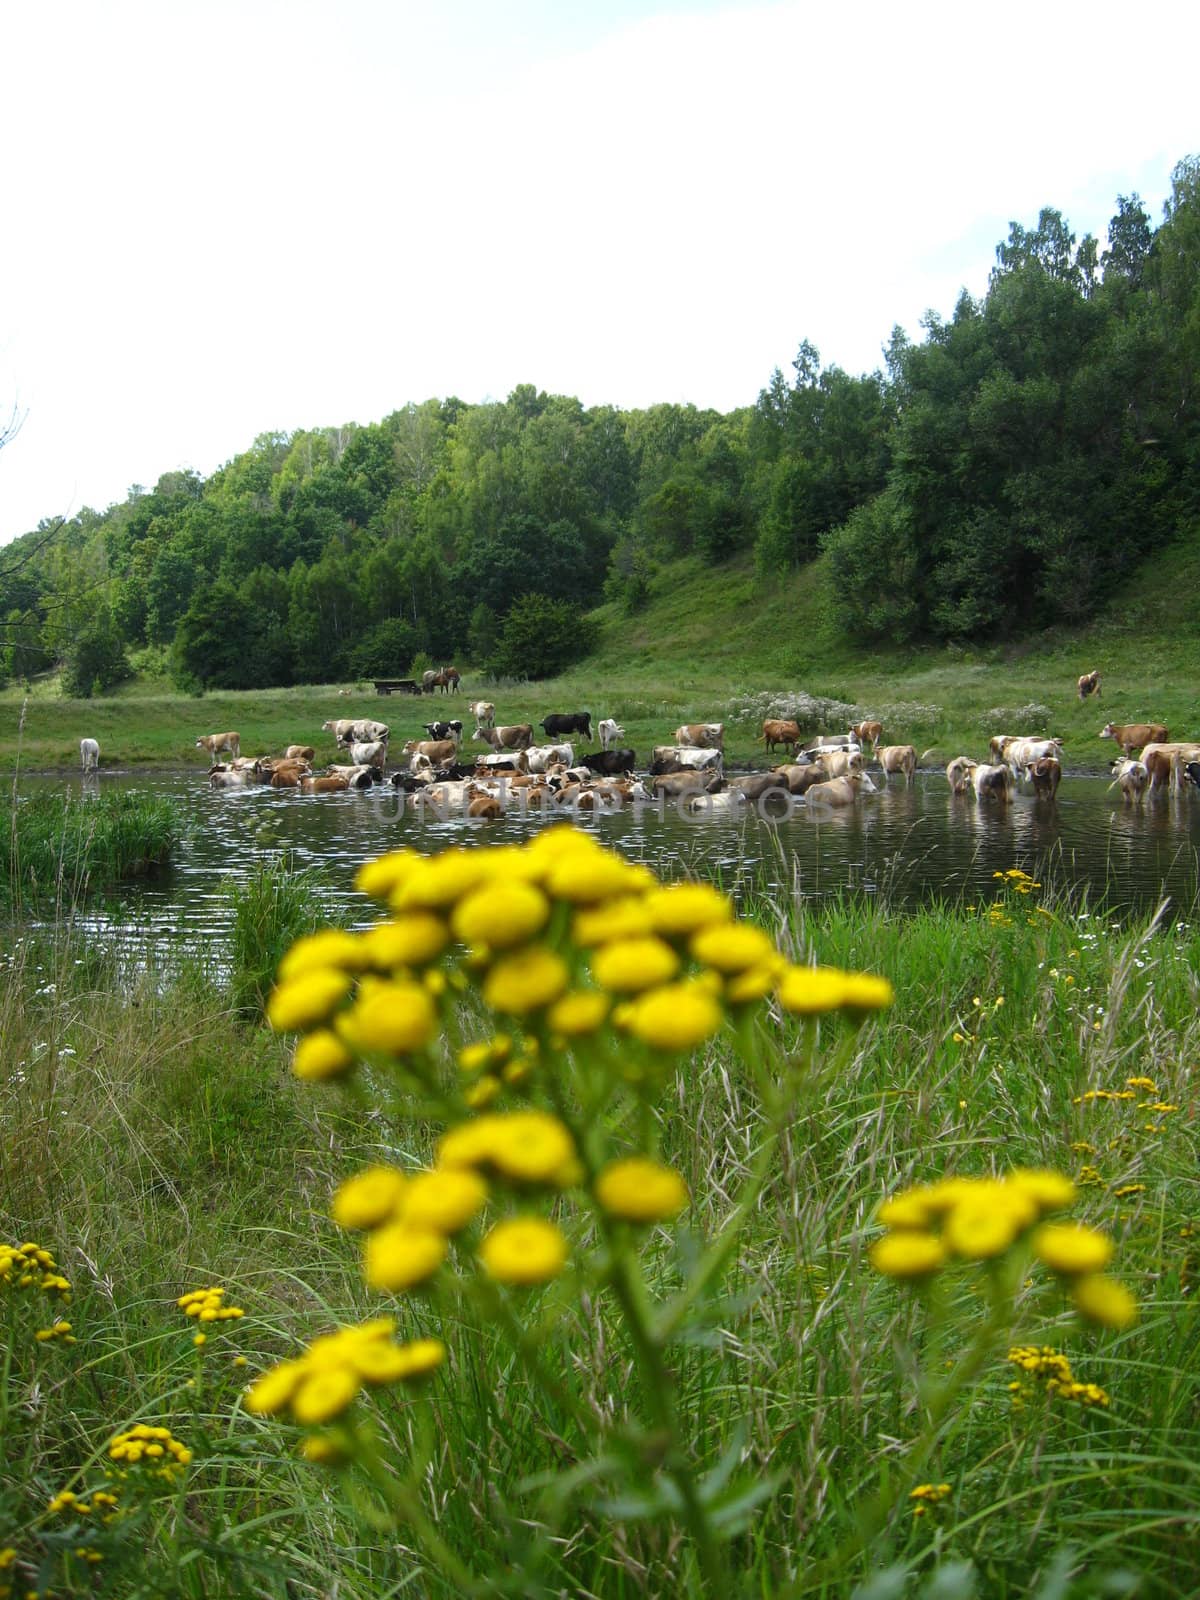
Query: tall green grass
[
  {"x": 60, "y": 847},
  {"x": 271, "y": 909},
  {"x": 175, "y": 1149}
]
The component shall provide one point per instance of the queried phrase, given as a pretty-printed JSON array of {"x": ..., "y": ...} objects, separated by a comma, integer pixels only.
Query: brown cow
[
  {"x": 1165, "y": 762},
  {"x": 701, "y": 735},
  {"x": 1044, "y": 774},
  {"x": 1089, "y": 683},
  {"x": 212, "y": 742},
  {"x": 868, "y": 733},
  {"x": 958, "y": 774},
  {"x": 672, "y": 785},
  {"x": 898, "y": 758},
  {"x": 1133, "y": 736},
  {"x": 780, "y": 731},
  {"x": 840, "y": 791},
  {"x": 300, "y": 752},
  {"x": 799, "y": 778},
  {"x": 439, "y": 752},
  {"x": 518, "y": 736},
  {"x": 332, "y": 783}
]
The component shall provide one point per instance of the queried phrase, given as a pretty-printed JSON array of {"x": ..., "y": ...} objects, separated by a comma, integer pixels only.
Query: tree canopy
[{"x": 1006, "y": 470}]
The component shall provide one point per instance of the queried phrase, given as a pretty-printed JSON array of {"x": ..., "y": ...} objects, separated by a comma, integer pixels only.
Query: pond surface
[{"x": 914, "y": 845}]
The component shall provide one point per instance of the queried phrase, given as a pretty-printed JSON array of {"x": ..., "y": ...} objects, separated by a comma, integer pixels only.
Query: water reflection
[{"x": 914, "y": 844}]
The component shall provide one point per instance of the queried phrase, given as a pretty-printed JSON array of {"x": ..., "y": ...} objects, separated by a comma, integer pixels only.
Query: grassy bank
[
  {"x": 713, "y": 644},
  {"x": 176, "y": 1150}
]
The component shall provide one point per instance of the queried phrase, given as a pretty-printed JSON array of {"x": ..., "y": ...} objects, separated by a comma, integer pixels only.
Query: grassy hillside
[{"x": 719, "y": 644}]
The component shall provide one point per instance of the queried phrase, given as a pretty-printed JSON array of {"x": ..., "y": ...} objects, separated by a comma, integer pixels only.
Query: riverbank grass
[
  {"x": 177, "y": 1151},
  {"x": 60, "y": 847}
]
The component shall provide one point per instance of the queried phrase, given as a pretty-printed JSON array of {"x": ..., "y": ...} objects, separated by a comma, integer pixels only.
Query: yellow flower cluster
[
  {"x": 101, "y": 1503},
  {"x": 29, "y": 1266},
  {"x": 1016, "y": 880},
  {"x": 1051, "y": 1368},
  {"x": 981, "y": 1219},
  {"x": 557, "y": 935},
  {"x": 927, "y": 1497},
  {"x": 208, "y": 1305},
  {"x": 58, "y": 1331},
  {"x": 150, "y": 1447},
  {"x": 558, "y": 938},
  {"x": 323, "y": 1382}
]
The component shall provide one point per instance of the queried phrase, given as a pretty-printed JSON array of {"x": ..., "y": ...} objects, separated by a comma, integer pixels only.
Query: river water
[{"x": 914, "y": 845}]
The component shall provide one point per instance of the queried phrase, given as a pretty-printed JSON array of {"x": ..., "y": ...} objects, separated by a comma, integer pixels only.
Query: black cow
[
  {"x": 443, "y": 730},
  {"x": 609, "y": 763},
  {"x": 558, "y": 726},
  {"x": 1191, "y": 771}
]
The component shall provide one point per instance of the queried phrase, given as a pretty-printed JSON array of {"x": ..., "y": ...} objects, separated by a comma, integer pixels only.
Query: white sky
[{"x": 227, "y": 218}]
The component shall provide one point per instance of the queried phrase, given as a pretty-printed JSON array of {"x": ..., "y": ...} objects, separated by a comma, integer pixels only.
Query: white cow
[
  {"x": 89, "y": 754},
  {"x": 688, "y": 757},
  {"x": 610, "y": 732},
  {"x": 542, "y": 756},
  {"x": 484, "y": 713}
]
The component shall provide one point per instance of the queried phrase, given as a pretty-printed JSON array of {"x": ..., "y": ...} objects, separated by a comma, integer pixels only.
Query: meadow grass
[
  {"x": 176, "y": 1149},
  {"x": 714, "y": 643}
]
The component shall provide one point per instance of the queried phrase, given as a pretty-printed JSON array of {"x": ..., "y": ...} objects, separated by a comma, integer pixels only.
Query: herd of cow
[{"x": 830, "y": 770}]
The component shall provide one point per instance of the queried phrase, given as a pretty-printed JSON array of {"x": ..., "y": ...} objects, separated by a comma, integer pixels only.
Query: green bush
[{"x": 541, "y": 638}]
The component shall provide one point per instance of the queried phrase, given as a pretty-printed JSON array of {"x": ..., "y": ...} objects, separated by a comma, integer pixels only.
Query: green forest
[{"x": 1004, "y": 473}]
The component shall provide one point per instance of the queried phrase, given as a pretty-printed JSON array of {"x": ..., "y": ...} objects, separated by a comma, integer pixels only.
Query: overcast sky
[{"x": 232, "y": 218}]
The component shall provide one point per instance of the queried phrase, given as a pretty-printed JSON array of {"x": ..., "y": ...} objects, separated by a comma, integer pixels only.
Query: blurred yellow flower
[
  {"x": 410, "y": 941},
  {"x": 1103, "y": 1300},
  {"x": 525, "y": 981},
  {"x": 524, "y": 1250},
  {"x": 640, "y": 1190},
  {"x": 307, "y": 1000},
  {"x": 369, "y": 1198},
  {"x": 1070, "y": 1247},
  {"x": 321, "y": 1055},
  {"x": 631, "y": 965},
  {"x": 395, "y": 1017},
  {"x": 500, "y": 915},
  {"x": 675, "y": 1018},
  {"x": 399, "y": 1257}
]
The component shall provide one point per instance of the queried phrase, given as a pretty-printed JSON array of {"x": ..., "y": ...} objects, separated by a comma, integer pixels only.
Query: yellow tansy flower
[
  {"x": 331, "y": 947},
  {"x": 524, "y": 1250},
  {"x": 410, "y": 941},
  {"x": 443, "y": 1201},
  {"x": 732, "y": 947},
  {"x": 580, "y": 1012},
  {"x": 631, "y": 965},
  {"x": 675, "y": 1018},
  {"x": 907, "y": 1255},
  {"x": 685, "y": 908},
  {"x": 321, "y": 1055},
  {"x": 525, "y": 981},
  {"x": 399, "y": 1257},
  {"x": 307, "y": 1000},
  {"x": 379, "y": 878},
  {"x": 500, "y": 915},
  {"x": 1069, "y": 1248},
  {"x": 396, "y": 1017},
  {"x": 369, "y": 1198},
  {"x": 640, "y": 1190},
  {"x": 1103, "y": 1300},
  {"x": 806, "y": 991}
]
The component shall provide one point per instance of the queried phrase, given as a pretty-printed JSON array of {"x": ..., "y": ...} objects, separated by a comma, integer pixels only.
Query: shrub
[{"x": 541, "y": 638}]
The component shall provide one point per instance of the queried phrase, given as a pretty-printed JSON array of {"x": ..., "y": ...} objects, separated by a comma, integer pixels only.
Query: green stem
[{"x": 660, "y": 1391}]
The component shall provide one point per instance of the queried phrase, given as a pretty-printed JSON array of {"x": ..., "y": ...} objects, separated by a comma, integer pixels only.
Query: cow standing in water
[{"x": 89, "y": 755}]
